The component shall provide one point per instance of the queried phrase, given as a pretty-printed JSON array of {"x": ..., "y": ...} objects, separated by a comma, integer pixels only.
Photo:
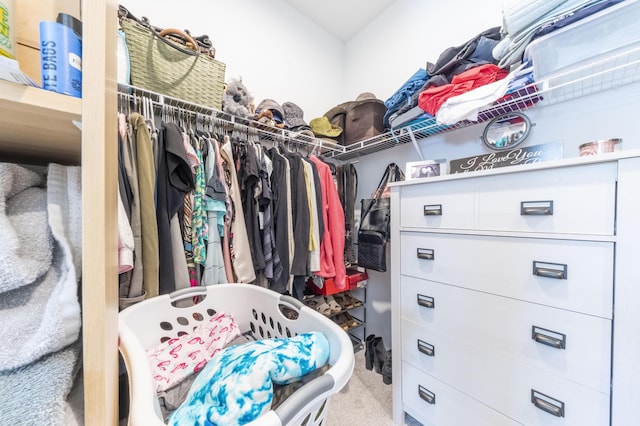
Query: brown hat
[
  {"x": 366, "y": 97},
  {"x": 345, "y": 106}
]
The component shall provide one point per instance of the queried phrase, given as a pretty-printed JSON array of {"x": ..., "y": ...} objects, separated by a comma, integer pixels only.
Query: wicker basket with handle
[{"x": 160, "y": 64}]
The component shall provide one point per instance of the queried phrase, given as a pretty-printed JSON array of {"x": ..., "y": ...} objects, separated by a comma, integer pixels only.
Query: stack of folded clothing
[{"x": 452, "y": 62}]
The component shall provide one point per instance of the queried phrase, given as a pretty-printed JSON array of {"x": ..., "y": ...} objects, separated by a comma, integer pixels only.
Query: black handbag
[{"x": 373, "y": 233}]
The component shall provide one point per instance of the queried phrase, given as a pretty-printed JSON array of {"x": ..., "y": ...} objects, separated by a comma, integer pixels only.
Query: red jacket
[{"x": 332, "y": 241}]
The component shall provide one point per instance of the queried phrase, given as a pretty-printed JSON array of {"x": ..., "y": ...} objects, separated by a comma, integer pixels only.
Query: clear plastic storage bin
[{"x": 589, "y": 41}]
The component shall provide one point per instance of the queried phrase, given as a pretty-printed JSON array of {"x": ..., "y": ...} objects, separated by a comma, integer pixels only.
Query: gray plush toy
[{"x": 236, "y": 99}]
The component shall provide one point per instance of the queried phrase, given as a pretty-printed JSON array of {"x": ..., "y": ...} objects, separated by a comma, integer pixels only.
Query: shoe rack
[{"x": 346, "y": 307}]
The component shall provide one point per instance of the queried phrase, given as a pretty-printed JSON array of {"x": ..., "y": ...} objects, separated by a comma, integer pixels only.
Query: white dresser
[{"x": 516, "y": 295}]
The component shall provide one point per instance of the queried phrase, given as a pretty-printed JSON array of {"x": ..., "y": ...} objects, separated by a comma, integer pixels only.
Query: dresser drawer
[
  {"x": 508, "y": 385},
  {"x": 559, "y": 342},
  {"x": 432, "y": 402},
  {"x": 509, "y": 266},
  {"x": 572, "y": 200}
]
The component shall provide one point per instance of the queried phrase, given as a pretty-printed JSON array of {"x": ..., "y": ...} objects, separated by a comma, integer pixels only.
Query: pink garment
[
  {"x": 176, "y": 359},
  {"x": 332, "y": 241}
]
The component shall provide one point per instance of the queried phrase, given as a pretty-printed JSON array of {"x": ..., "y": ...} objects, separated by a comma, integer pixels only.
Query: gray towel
[
  {"x": 40, "y": 251},
  {"x": 26, "y": 243},
  {"x": 35, "y": 394}
]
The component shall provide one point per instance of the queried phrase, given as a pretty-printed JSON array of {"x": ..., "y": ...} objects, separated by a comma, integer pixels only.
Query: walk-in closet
[{"x": 506, "y": 278}]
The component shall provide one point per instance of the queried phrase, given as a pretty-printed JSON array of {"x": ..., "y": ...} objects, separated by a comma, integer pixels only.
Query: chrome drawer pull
[
  {"x": 426, "y": 254},
  {"x": 546, "y": 403},
  {"x": 556, "y": 271},
  {"x": 536, "y": 208},
  {"x": 426, "y": 394},
  {"x": 426, "y": 301},
  {"x": 433, "y": 210},
  {"x": 549, "y": 337},
  {"x": 426, "y": 348}
]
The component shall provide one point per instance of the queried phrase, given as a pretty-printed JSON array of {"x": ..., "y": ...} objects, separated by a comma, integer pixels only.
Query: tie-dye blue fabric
[{"x": 236, "y": 385}]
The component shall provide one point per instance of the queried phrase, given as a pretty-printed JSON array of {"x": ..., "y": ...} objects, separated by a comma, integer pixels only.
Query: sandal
[
  {"x": 342, "y": 321},
  {"x": 349, "y": 321},
  {"x": 342, "y": 301},
  {"x": 335, "y": 307},
  {"x": 322, "y": 307},
  {"x": 353, "y": 300},
  {"x": 318, "y": 304},
  {"x": 345, "y": 321}
]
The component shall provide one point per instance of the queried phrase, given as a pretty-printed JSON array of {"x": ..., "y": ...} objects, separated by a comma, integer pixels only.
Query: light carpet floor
[{"x": 365, "y": 400}]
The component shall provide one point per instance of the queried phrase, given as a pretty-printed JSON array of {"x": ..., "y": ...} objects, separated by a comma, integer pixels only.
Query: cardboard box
[{"x": 29, "y": 13}]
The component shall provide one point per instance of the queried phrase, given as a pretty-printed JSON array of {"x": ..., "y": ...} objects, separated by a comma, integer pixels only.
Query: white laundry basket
[{"x": 256, "y": 309}]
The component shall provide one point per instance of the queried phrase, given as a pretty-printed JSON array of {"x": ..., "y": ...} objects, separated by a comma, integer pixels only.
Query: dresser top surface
[{"x": 566, "y": 162}]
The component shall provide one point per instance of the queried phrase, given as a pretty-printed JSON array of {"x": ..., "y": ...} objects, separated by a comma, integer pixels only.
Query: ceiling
[{"x": 341, "y": 18}]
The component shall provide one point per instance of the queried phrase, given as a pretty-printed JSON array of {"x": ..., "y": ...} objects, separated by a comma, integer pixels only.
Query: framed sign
[{"x": 514, "y": 157}]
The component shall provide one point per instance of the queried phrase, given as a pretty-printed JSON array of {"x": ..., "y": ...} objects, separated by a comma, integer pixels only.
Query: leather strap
[{"x": 190, "y": 42}]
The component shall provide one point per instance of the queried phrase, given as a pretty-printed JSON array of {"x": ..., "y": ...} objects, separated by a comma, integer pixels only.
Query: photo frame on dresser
[{"x": 425, "y": 169}]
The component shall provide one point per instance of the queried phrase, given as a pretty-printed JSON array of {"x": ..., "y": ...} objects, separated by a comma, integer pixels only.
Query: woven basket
[{"x": 160, "y": 65}]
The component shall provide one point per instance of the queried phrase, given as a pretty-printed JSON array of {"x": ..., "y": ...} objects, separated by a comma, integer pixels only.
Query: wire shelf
[
  {"x": 579, "y": 81},
  {"x": 137, "y": 97},
  {"x": 604, "y": 74}
]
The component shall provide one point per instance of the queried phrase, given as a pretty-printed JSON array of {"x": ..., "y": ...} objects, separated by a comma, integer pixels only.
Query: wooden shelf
[{"x": 36, "y": 125}]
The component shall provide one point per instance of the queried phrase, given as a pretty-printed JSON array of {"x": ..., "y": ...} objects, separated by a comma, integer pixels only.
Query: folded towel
[
  {"x": 40, "y": 315},
  {"x": 36, "y": 393},
  {"x": 26, "y": 243}
]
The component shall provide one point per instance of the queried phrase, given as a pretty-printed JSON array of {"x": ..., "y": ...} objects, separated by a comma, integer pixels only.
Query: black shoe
[
  {"x": 368, "y": 352},
  {"x": 386, "y": 369},
  {"x": 379, "y": 354}
]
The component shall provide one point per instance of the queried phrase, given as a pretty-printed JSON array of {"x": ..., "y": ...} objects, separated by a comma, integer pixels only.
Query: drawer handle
[
  {"x": 426, "y": 395},
  {"x": 426, "y": 301},
  {"x": 426, "y": 348},
  {"x": 536, "y": 208},
  {"x": 556, "y": 271},
  {"x": 549, "y": 337},
  {"x": 548, "y": 404},
  {"x": 426, "y": 254},
  {"x": 433, "y": 210}
]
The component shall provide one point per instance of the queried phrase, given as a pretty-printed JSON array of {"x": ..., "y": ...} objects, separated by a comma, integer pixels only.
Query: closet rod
[{"x": 273, "y": 133}]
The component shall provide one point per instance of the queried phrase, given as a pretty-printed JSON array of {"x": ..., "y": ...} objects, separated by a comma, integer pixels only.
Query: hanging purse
[
  {"x": 171, "y": 62},
  {"x": 373, "y": 233}
]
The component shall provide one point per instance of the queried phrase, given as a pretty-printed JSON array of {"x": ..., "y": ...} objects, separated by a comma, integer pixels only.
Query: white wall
[
  {"x": 382, "y": 56},
  {"x": 279, "y": 53}
]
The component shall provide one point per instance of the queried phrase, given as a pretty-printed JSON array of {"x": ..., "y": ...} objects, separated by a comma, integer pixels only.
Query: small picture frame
[{"x": 423, "y": 169}]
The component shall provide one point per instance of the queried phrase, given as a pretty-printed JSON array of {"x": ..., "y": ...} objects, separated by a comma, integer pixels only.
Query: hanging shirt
[
  {"x": 240, "y": 251},
  {"x": 199, "y": 221},
  {"x": 281, "y": 223}
]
